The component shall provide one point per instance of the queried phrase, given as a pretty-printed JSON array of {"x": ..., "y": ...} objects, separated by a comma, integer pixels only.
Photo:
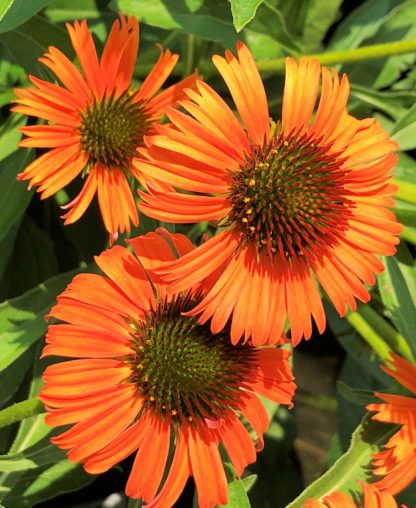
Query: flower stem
[
  {"x": 190, "y": 56},
  {"x": 20, "y": 411},
  {"x": 348, "y": 56},
  {"x": 277, "y": 65}
]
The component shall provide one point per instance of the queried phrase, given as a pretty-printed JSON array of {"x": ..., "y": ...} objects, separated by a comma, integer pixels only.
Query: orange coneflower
[
  {"x": 302, "y": 200},
  {"x": 373, "y": 498},
  {"x": 95, "y": 120},
  {"x": 148, "y": 378},
  {"x": 398, "y": 462}
]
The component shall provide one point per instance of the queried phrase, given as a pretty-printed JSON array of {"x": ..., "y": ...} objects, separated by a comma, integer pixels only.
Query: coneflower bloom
[
  {"x": 372, "y": 498},
  {"x": 397, "y": 463},
  {"x": 298, "y": 202},
  {"x": 144, "y": 378},
  {"x": 95, "y": 120}
]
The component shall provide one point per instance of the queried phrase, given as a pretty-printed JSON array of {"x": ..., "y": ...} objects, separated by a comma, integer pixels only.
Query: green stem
[
  {"x": 378, "y": 333},
  {"x": 361, "y": 54},
  {"x": 20, "y": 411},
  {"x": 373, "y": 339},
  {"x": 190, "y": 55}
]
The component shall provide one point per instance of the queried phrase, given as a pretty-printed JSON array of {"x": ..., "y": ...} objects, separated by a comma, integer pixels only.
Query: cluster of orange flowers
[{"x": 167, "y": 342}]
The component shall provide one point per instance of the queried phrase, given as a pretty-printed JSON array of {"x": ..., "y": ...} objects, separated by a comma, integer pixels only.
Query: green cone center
[
  {"x": 112, "y": 129},
  {"x": 182, "y": 370},
  {"x": 289, "y": 196}
]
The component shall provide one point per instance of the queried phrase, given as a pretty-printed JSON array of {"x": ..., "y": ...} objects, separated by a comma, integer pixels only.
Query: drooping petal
[
  {"x": 207, "y": 469},
  {"x": 150, "y": 461}
]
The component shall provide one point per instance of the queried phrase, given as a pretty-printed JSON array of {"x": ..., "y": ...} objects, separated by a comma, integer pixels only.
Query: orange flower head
[
  {"x": 397, "y": 463},
  {"x": 372, "y": 498},
  {"x": 96, "y": 118},
  {"x": 299, "y": 202},
  {"x": 143, "y": 377}
]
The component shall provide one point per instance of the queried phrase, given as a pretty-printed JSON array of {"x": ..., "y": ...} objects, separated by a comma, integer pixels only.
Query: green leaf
[
  {"x": 393, "y": 103},
  {"x": 405, "y": 212},
  {"x": 208, "y": 20},
  {"x": 243, "y": 12},
  {"x": 267, "y": 34},
  {"x": 308, "y": 22},
  {"x": 32, "y": 437},
  {"x": 22, "y": 319},
  {"x": 354, "y": 345},
  {"x": 356, "y": 395},
  {"x": 249, "y": 481},
  {"x": 134, "y": 503},
  {"x": 278, "y": 478},
  {"x": 404, "y": 130},
  {"x": 38, "y": 485},
  {"x": 12, "y": 377},
  {"x": 15, "y": 12},
  {"x": 350, "y": 414},
  {"x": 399, "y": 25},
  {"x": 361, "y": 24},
  {"x": 6, "y": 249},
  {"x": 10, "y": 134},
  {"x": 211, "y": 20},
  {"x": 237, "y": 495},
  {"x": 397, "y": 285},
  {"x": 14, "y": 197},
  {"x": 15, "y": 463},
  {"x": 368, "y": 438},
  {"x": 29, "y": 41},
  {"x": 38, "y": 456},
  {"x": 62, "y": 10},
  {"x": 33, "y": 260}
]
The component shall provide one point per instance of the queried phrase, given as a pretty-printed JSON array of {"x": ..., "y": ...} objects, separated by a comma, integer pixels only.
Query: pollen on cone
[
  {"x": 299, "y": 206},
  {"x": 95, "y": 121},
  {"x": 141, "y": 377}
]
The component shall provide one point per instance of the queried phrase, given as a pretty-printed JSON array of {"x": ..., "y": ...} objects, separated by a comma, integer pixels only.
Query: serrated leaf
[
  {"x": 397, "y": 285},
  {"x": 368, "y": 438},
  {"x": 243, "y": 12},
  {"x": 15, "y": 12}
]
